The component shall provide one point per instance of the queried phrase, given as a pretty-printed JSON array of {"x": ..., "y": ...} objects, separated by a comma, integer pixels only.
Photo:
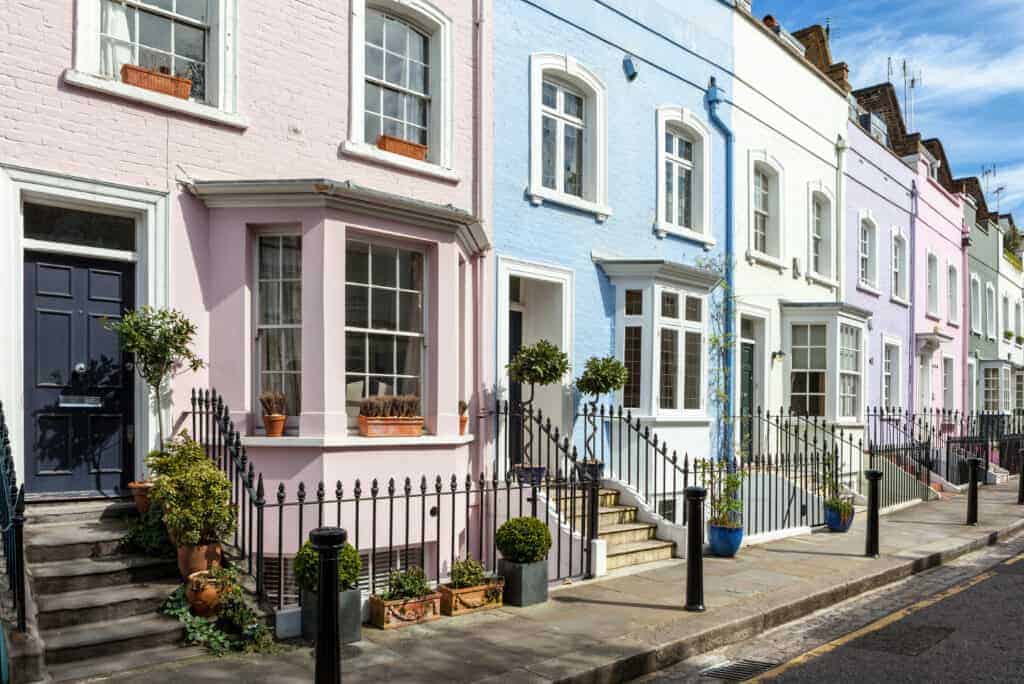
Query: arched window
[
  {"x": 684, "y": 170},
  {"x": 900, "y": 269},
  {"x": 820, "y": 243},
  {"x": 952, "y": 294},
  {"x": 868, "y": 253},
  {"x": 932, "y": 285},
  {"x": 766, "y": 210},
  {"x": 990, "y": 311},
  {"x": 568, "y": 135},
  {"x": 975, "y": 305}
]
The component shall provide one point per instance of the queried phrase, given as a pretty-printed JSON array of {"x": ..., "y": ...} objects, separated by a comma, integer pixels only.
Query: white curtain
[{"x": 115, "y": 29}]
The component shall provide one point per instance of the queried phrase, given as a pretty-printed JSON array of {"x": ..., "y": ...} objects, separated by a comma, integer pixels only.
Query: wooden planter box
[
  {"x": 175, "y": 86},
  {"x": 402, "y": 147},
  {"x": 390, "y": 427},
  {"x": 472, "y": 599},
  {"x": 404, "y": 612}
]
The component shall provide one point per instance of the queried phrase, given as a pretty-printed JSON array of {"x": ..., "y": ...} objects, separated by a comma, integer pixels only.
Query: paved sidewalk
[{"x": 622, "y": 626}]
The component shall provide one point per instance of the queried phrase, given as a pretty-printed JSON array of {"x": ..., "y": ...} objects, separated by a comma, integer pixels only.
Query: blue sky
[{"x": 971, "y": 56}]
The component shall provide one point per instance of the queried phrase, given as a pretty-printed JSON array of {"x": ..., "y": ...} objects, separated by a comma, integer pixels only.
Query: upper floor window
[
  {"x": 932, "y": 285},
  {"x": 766, "y": 236},
  {"x": 821, "y": 235},
  {"x": 990, "y": 311},
  {"x": 1006, "y": 318},
  {"x": 866, "y": 251},
  {"x": 568, "y": 135},
  {"x": 975, "y": 304},
  {"x": 899, "y": 267},
  {"x": 952, "y": 294},
  {"x": 762, "y": 210},
  {"x": 397, "y": 95},
  {"x": 1017, "y": 322},
  {"x": 684, "y": 157}
]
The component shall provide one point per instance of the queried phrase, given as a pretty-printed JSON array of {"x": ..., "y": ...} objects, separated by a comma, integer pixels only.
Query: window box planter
[
  {"x": 390, "y": 427},
  {"x": 526, "y": 584},
  {"x": 350, "y": 615},
  {"x": 402, "y": 147},
  {"x": 404, "y": 612},
  {"x": 487, "y": 596},
  {"x": 158, "y": 82}
]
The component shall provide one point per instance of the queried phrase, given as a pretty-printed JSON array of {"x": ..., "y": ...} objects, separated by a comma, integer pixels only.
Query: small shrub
[
  {"x": 307, "y": 568},
  {"x": 274, "y": 404},
  {"x": 148, "y": 535},
  {"x": 410, "y": 583},
  {"x": 196, "y": 504},
  {"x": 467, "y": 573},
  {"x": 523, "y": 540},
  {"x": 601, "y": 376},
  {"x": 180, "y": 455},
  {"x": 844, "y": 507},
  {"x": 390, "y": 406}
]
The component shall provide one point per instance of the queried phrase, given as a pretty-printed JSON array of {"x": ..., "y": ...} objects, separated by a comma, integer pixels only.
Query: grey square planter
[
  {"x": 526, "y": 584},
  {"x": 350, "y": 615}
]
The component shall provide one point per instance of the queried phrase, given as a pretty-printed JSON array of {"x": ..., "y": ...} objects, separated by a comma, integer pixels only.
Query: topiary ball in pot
[
  {"x": 306, "y": 569},
  {"x": 524, "y": 545}
]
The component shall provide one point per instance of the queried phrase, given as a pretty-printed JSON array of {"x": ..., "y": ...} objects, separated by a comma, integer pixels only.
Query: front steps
[
  {"x": 629, "y": 541},
  {"x": 96, "y": 606}
]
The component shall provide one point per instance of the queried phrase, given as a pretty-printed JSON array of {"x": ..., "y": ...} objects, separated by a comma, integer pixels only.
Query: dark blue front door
[{"x": 78, "y": 392}]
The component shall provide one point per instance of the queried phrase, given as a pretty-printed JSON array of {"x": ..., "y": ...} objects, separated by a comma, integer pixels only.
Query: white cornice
[{"x": 660, "y": 270}]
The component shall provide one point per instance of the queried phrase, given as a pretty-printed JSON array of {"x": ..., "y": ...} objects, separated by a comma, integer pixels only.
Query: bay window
[
  {"x": 279, "y": 318},
  {"x": 809, "y": 368},
  {"x": 632, "y": 347},
  {"x": 990, "y": 390},
  {"x": 891, "y": 371},
  {"x": 681, "y": 351},
  {"x": 850, "y": 360}
]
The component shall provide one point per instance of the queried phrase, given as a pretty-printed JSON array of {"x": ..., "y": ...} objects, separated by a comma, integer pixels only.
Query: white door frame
[{"x": 150, "y": 210}]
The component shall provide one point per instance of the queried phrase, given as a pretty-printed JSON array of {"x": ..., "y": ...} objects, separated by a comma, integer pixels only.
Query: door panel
[{"x": 78, "y": 397}]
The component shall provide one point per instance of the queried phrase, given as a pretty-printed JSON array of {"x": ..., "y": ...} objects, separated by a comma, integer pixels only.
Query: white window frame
[
  {"x": 857, "y": 374},
  {"x": 439, "y": 27},
  {"x": 1004, "y": 311},
  {"x": 894, "y": 372},
  {"x": 563, "y": 68},
  {"x": 996, "y": 402},
  {"x": 635, "y": 321},
  {"x": 867, "y": 282},
  {"x": 682, "y": 327},
  {"x": 1018, "y": 389},
  {"x": 976, "y": 305},
  {"x": 952, "y": 294},
  {"x": 931, "y": 295},
  {"x": 1006, "y": 394},
  {"x": 972, "y": 386},
  {"x": 761, "y": 160},
  {"x": 990, "y": 311},
  {"x": 832, "y": 321},
  {"x": 948, "y": 389},
  {"x": 680, "y": 120},
  {"x": 221, "y": 67},
  {"x": 818, "y": 194},
  {"x": 899, "y": 274},
  {"x": 1018, "y": 322}
]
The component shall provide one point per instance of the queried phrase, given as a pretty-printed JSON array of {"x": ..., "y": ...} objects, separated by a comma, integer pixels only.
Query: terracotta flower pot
[
  {"x": 193, "y": 559},
  {"x": 404, "y": 612},
  {"x": 472, "y": 599},
  {"x": 463, "y": 422},
  {"x": 203, "y": 594},
  {"x": 140, "y": 492},
  {"x": 390, "y": 427},
  {"x": 274, "y": 425},
  {"x": 156, "y": 81},
  {"x": 402, "y": 147}
]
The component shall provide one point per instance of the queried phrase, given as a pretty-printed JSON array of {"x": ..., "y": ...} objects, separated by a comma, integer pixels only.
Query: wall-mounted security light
[
  {"x": 629, "y": 68},
  {"x": 778, "y": 356}
]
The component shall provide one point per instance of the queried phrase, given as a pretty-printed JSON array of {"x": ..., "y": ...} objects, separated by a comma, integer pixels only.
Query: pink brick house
[{"x": 313, "y": 261}]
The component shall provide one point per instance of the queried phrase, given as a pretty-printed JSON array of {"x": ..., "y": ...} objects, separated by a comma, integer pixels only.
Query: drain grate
[{"x": 738, "y": 670}]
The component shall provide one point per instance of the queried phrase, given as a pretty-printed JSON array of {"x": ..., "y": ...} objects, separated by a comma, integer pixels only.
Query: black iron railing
[{"x": 12, "y": 523}]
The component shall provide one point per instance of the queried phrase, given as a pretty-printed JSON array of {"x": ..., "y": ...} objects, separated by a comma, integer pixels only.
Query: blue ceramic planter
[
  {"x": 835, "y": 522},
  {"x": 725, "y": 541}
]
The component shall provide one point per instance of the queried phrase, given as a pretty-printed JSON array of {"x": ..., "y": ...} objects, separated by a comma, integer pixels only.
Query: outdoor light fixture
[
  {"x": 629, "y": 68},
  {"x": 778, "y": 356}
]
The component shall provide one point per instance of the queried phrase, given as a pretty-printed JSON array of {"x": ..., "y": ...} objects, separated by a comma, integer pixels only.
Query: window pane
[
  {"x": 670, "y": 173},
  {"x": 270, "y": 303},
  {"x": 394, "y": 69},
  {"x": 686, "y": 149},
  {"x": 117, "y": 20},
  {"x": 669, "y": 369},
  {"x": 374, "y": 62},
  {"x": 410, "y": 270},
  {"x": 291, "y": 351},
  {"x": 374, "y": 28},
  {"x": 190, "y": 42},
  {"x": 395, "y": 35},
  {"x": 573, "y": 105},
  {"x": 357, "y": 260},
  {"x": 291, "y": 385},
  {"x": 634, "y": 302},
  {"x": 291, "y": 302},
  {"x": 409, "y": 386},
  {"x": 155, "y": 31},
  {"x": 692, "y": 371},
  {"x": 394, "y": 104},
  {"x": 372, "y": 97},
  {"x": 394, "y": 128},
  {"x": 56, "y": 224},
  {"x": 631, "y": 359},
  {"x": 273, "y": 350},
  {"x": 381, "y": 385},
  {"x": 384, "y": 265},
  {"x": 549, "y": 95},
  {"x": 195, "y": 72},
  {"x": 195, "y": 9},
  {"x": 419, "y": 79},
  {"x": 694, "y": 309},
  {"x": 669, "y": 305},
  {"x": 408, "y": 349},
  {"x": 270, "y": 257},
  {"x": 573, "y": 161},
  {"x": 683, "y": 189},
  {"x": 549, "y": 153},
  {"x": 291, "y": 256},
  {"x": 371, "y": 128},
  {"x": 382, "y": 354},
  {"x": 817, "y": 335},
  {"x": 384, "y": 314},
  {"x": 355, "y": 352},
  {"x": 670, "y": 143},
  {"x": 419, "y": 47},
  {"x": 357, "y": 306},
  {"x": 800, "y": 335},
  {"x": 154, "y": 61},
  {"x": 411, "y": 308}
]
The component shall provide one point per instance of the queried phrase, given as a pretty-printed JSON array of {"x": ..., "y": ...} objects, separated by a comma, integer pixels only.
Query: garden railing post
[
  {"x": 1020, "y": 479},
  {"x": 871, "y": 541},
  {"x": 327, "y": 541},
  {"x": 972, "y": 492},
  {"x": 18, "y": 521},
  {"x": 695, "y": 548}
]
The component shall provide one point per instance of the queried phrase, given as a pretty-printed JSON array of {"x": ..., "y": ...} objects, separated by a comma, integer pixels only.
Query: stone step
[
  {"x": 93, "y": 573},
  {"x": 99, "y": 605},
  {"x": 607, "y": 497},
  {"x": 98, "y": 639},
  {"x": 104, "y": 666},
  {"x": 626, "y": 533},
  {"x": 45, "y": 512},
  {"x": 634, "y": 553},
  {"x": 606, "y": 515},
  {"x": 70, "y": 541}
]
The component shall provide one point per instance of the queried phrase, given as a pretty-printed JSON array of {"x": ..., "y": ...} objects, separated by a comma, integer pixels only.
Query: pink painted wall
[{"x": 939, "y": 228}]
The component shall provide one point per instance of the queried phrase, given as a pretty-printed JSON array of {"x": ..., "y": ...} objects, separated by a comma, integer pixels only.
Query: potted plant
[
  {"x": 390, "y": 416},
  {"x": 463, "y": 417},
  {"x": 469, "y": 589},
  {"x": 838, "y": 513},
  {"x": 1020, "y": 339},
  {"x": 600, "y": 376},
  {"x": 198, "y": 513},
  {"x": 725, "y": 527},
  {"x": 203, "y": 591},
  {"x": 537, "y": 364},
  {"x": 350, "y": 598},
  {"x": 524, "y": 545},
  {"x": 140, "y": 494},
  {"x": 275, "y": 413},
  {"x": 1008, "y": 335},
  {"x": 403, "y": 147},
  {"x": 160, "y": 81},
  {"x": 408, "y": 600}
]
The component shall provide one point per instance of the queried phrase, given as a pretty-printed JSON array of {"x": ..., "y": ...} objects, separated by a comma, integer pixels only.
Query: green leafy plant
[
  {"x": 1008, "y": 335},
  {"x": 523, "y": 540},
  {"x": 178, "y": 455},
  {"x": 160, "y": 341},
  {"x": 601, "y": 376},
  {"x": 726, "y": 504},
  {"x": 274, "y": 404},
  {"x": 390, "y": 406},
  {"x": 148, "y": 535},
  {"x": 467, "y": 573},
  {"x": 538, "y": 364},
  {"x": 236, "y": 627},
  {"x": 410, "y": 583},
  {"x": 307, "y": 568},
  {"x": 197, "y": 504},
  {"x": 843, "y": 507}
]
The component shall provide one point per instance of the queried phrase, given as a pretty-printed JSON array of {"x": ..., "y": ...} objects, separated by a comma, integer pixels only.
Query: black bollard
[
  {"x": 871, "y": 539},
  {"x": 972, "y": 492},
  {"x": 328, "y": 541},
  {"x": 695, "y": 548}
]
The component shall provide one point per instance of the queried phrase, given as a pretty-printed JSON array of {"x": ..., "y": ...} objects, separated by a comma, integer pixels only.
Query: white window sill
[
  {"x": 899, "y": 300},
  {"x": 932, "y": 316},
  {"x": 665, "y": 229},
  {"x": 953, "y": 324},
  {"x": 674, "y": 419},
  {"x": 355, "y": 441},
  {"x": 765, "y": 260},
  {"x": 151, "y": 99},
  {"x": 539, "y": 195},
  {"x": 868, "y": 288},
  {"x": 375, "y": 154},
  {"x": 822, "y": 280}
]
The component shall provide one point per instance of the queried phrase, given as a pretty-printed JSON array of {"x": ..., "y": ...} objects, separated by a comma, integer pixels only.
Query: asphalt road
[{"x": 963, "y": 622}]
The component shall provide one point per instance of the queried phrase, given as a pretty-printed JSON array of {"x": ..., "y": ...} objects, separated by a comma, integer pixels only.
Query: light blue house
[{"x": 611, "y": 181}]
